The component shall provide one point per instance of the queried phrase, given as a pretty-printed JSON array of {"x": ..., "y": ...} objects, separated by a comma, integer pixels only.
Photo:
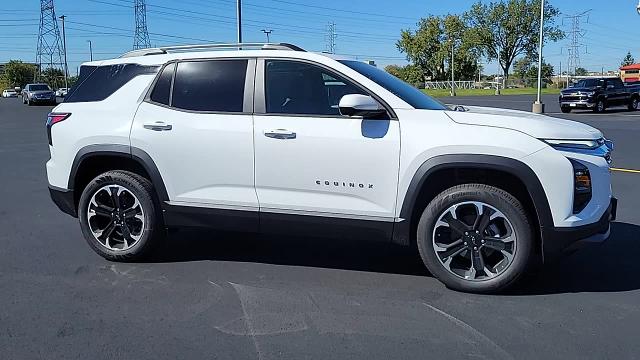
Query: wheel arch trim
[
  {"x": 402, "y": 230},
  {"x": 124, "y": 151}
]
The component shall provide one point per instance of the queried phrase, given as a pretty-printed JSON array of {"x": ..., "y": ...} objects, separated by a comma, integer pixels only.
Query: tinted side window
[
  {"x": 162, "y": 89},
  {"x": 105, "y": 80},
  {"x": 300, "y": 88},
  {"x": 213, "y": 85}
]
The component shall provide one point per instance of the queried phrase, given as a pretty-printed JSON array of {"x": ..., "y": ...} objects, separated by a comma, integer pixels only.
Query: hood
[
  {"x": 538, "y": 126},
  {"x": 578, "y": 90}
]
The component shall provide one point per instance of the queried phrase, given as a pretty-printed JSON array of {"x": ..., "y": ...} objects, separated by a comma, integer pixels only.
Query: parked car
[
  {"x": 279, "y": 140},
  {"x": 7, "y": 93},
  {"x": 38, "y": 93},
  {"x": 62, "y": 92},
  {"x": 599, "y": 94}
]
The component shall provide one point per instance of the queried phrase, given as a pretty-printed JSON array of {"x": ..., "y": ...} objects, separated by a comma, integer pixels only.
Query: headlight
[{"x": 575, "y": 144}]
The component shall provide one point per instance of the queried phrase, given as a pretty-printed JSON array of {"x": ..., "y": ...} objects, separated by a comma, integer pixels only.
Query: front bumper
[
  {"x": 64, "y": 199},
  {"x": 583, "y": 104},
  {"x": 562, "y": 240}
]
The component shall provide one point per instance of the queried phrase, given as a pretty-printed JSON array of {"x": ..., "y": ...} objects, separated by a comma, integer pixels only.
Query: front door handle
[
  {"x": 157, "y": 126},
  {"x": 280, "y": 134}
]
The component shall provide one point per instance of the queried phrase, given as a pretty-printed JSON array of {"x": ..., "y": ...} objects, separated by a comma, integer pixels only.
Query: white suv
[{"x": 274, "y": 139}]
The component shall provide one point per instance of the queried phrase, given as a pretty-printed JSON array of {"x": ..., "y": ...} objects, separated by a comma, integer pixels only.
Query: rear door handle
[
  {"x": 280, "y": 134},
  {"x": 157, "y": 126}
]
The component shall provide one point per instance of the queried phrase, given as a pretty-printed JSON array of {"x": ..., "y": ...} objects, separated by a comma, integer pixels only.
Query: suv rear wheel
[
  {"x": 118, "y": 216},
  {"x": 475, "y": 238}
]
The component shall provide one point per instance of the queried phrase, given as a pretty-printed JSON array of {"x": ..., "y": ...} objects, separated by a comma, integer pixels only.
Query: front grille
[{"x": 574, "y": 98}]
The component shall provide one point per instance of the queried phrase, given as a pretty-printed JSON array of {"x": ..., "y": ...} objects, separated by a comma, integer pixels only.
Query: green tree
[
  {"x": 507, "y": 29},
  {"x": 429, "y": 47},
  {"x": 526, "y": 69},
  {"x": 54, "y": 77},
  {"x": 17, "y": 73},
  {"x": 411, "y": 74},
  {"x": 580, "y": 72},
  {"x": 628, "y": 60}
]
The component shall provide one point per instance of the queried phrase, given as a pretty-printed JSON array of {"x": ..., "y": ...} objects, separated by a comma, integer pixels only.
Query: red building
[{"x": 630, "y": 73}]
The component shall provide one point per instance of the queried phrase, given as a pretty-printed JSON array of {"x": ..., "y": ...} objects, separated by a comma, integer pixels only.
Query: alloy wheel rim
[
  {"x": 474, "y": 241},
  {"x": 115, "y": 217},
  {"x": 635, "y": 104},
  {"x": 600, "y": 105}
]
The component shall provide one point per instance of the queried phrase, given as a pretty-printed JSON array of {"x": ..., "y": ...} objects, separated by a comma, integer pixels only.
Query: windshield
[
  {"x": 589, "y": 83},
  {"x": 401, "y": 89},
  {"x": 39, "y": 87}
]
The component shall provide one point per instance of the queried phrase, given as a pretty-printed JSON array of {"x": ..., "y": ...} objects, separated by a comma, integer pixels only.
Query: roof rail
[{"x": 220, "y": 46}]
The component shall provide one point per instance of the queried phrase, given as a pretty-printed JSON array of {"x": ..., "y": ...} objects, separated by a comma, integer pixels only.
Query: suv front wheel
[
  {"x": 118, "y": 216},
  {"x": 475, "y": 238}
]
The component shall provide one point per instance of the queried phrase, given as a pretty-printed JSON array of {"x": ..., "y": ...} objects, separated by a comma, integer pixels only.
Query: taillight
[{"x": 52, "y": 119}]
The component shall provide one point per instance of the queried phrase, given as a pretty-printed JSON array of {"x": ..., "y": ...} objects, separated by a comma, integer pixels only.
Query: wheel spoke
[
  {"x": 455, "y": 224},
  {"x": 495, "y": 244},
  {"x": 126, "y": 235},
  {"x": 102, "y": 210},
  {"x": 451, "y": 250},
  {"x": 115, "y": 196},
  {"x": 483, "y": 219},
  {"x": 477, "y": 261}
]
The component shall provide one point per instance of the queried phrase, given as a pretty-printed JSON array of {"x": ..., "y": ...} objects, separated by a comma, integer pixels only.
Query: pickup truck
[{"x": 599, "y": 94}]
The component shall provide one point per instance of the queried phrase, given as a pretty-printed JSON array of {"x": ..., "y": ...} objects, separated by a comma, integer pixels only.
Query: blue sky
[{"x": 367, "y": 29}]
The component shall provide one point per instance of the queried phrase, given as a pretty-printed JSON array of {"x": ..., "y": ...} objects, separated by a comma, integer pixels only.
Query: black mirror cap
[{"x": 368, "y": 114}]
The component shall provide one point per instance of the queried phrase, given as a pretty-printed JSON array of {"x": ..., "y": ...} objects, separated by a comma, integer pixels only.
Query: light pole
[
  {"x": 453, "y": 82},
  {"x": 64, "y": 45},
  {"x": 239, "y": 12},
  {"x": 90, "y": 51},
  {"x": 538, "y": 106},
  {"x": 267, "y": 32}
]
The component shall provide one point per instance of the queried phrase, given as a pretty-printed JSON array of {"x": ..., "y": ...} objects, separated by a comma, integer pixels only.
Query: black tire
[
  {"x": 565, "y": 109},
  {"x": 600, "y": 106},
  {"x": 500, "y": 200},
  {"x": 24, "y": 101},
  {"x": 634, "y": 103},
  {"x": 29, "y": 102},
  {"x": 152, "y": 234}
]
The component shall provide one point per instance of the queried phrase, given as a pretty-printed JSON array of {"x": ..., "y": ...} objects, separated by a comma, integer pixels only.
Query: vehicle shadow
[
  {"x": 609, "y": 267},
  {"x": 345, "y": 254}
]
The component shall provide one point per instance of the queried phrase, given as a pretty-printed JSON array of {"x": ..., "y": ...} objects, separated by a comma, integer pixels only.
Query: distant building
[{"x": 630, "y": 73}]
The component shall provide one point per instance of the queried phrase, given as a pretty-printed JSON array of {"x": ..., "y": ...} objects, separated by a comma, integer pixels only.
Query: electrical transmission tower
[
  {"x": 575, "y": 35},
  {"x": 49, "y": 53},
  {"x": 141, "y": 37},
  {"x": 330, "y": 38}
]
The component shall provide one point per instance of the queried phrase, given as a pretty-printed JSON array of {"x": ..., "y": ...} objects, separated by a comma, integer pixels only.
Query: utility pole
[
  {"x": 267, "y": 32},
  {"x": 453, "y": 80},
  {"x": 64, "y": 46},
  {"x": 538, "y": 106},
  {"x": 141, "y": 35},
  {"x": 49, "y": 50},
  {"x": 239, "y": 11},
  {"x": 331, "y": 38},
  {"x": 90, "y": 51}
]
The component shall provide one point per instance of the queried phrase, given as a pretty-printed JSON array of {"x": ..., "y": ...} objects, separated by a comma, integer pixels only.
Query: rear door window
[{"x": 211, "y": 85}]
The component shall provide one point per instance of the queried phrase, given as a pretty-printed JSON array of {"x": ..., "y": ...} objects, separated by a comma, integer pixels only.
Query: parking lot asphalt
[{"x": 238, "y": 296}]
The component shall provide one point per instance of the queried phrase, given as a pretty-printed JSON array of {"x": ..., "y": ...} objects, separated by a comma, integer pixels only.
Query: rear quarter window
[{"x": 96, "y": 83}]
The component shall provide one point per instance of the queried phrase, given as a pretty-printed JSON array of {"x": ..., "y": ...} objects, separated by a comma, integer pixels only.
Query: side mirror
[{"x": 360, "y": 105}]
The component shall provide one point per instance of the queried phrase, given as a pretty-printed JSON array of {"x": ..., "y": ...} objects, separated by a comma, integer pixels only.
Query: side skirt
[{"x": 276, "y": 223}]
